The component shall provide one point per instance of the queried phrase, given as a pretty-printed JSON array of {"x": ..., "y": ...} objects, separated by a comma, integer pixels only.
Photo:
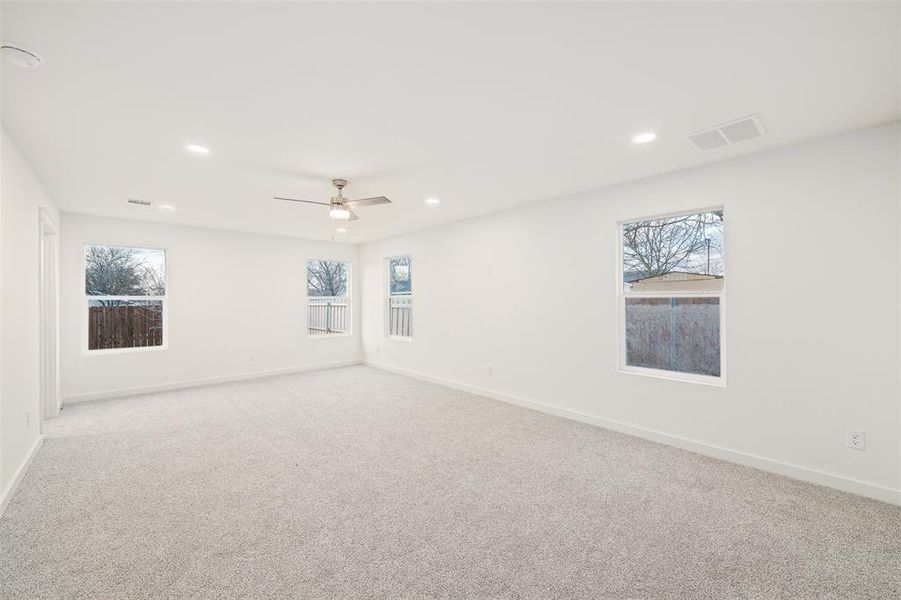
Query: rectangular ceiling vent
[
  {"x": 733, "y": 132},
  {"x": 139, "y": 202}
]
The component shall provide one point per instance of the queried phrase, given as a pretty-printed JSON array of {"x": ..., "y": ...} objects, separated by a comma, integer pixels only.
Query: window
[
  {"x": 672, "y": 296},
  {"x": 125, "y": 290},
  {"x": 400, "y": 296},
  {"x": 328, "y": 298}
]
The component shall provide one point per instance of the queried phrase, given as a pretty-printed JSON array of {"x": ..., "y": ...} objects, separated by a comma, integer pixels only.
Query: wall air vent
[
  {"x": 746, "y": 128},
  {"x": 140, "y": 202}
]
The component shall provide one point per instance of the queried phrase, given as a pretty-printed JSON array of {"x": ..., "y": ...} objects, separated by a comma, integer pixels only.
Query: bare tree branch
[
  {"x": 660, "y": 246},
  {"x": 326, "y": 278}
]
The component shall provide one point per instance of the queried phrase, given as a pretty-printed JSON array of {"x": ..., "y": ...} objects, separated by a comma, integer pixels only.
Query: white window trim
[
  {"x": 85, "y": 351},
  {"x": 386, "y": 312},
  {"x": 622, "y": 294},
  {"x": 348, "y": 296},
  {"x": 401, "y": 338}
]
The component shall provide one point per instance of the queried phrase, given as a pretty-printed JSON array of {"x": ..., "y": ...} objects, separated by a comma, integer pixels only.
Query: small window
[
  {"x": 328, "y": 298},
  {"x": 125, "y": 290},
  {"x": 399, "y": 303},
  {"x": 672, "y": 295}
]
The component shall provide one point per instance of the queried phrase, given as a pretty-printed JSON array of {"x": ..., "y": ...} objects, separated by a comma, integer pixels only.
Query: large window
[
  {"x": 125, "y": 291},
  {"x": 672, "y": 296},
  {"x": 399, "y": 303},
  {"x": 328, "y": 298}
]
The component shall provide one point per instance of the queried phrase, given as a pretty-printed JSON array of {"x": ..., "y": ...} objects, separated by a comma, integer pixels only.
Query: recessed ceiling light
[
  {"x": 19, "y": 56},
  {"x": 197, "y": 149},
  {"x": 167, "y": 207},
  {"x": 432, "y": 201},
  {"x": 644, "y": 137}
]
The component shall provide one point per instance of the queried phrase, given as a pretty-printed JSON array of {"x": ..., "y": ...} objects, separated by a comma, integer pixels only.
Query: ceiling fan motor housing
[{"x": 339, "y": 183}]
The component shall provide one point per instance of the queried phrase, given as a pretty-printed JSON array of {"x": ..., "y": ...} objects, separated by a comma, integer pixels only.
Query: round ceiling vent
[{"x": 19, "y": 56}]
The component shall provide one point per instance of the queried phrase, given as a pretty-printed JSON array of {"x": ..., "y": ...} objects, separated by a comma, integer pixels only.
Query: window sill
[
  {"x": 112, "y": 351},
  {"x": 329, "y": 336},
  {"x": 675, "y": 376},
  {"x": 400, "y": 338}
]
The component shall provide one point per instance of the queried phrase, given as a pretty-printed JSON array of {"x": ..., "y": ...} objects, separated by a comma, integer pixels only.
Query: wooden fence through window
[
  {"x": 328, "y": 315},
  {"x": 400, "y": 313},
  {"x": 125, "y": 326}
]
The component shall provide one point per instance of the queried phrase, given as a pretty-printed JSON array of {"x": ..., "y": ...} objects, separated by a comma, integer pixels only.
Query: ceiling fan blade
[
  {"x": 353, "y": 216},
  {"x": 367, "y": 201},
  {"x": 305, "y": 201}
]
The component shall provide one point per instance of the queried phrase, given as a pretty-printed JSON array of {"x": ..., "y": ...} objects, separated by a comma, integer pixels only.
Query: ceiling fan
[{"x": 341, "y": 207}]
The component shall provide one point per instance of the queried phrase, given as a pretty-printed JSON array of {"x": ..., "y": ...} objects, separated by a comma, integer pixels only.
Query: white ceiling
[{"x": 485, "y": 106}]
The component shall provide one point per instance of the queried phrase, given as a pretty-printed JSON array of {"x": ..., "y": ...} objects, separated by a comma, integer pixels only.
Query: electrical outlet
[
  {"x": 27, "y": 418},
  {"x": 251, "y": 357},
  {"x": 378, "y": 349},
  {"x": 489, "y": 371},
  {"x": 857, "y": 440}
]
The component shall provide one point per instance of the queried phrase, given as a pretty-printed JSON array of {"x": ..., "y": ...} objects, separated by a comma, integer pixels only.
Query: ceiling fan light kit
[
  {"x": 340, "y": 208},
  {"x": 339, "y": 212}
]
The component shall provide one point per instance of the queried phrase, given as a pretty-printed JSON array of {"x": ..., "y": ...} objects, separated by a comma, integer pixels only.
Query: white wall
[
  {"x": 21, "y": 195},
  {"x": 812, "y": 257},
  {"x": 229, "y": 295}
]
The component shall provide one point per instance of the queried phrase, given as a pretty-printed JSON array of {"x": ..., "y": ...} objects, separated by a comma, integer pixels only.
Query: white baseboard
[
  {"x": 838, "y": 482},
  {"x": 178, "y": 385},
  {"x": 10, "y": 490}
]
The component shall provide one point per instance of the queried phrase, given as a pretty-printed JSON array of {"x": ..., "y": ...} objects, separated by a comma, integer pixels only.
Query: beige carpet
[{"x": 357, "y": 483}]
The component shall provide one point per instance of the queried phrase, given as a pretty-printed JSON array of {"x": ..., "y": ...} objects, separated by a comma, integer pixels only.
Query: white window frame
[
  {"x": 350, "y": 307},
  {"x": 389, "y": 295},
  {"x": 85, "y": 319},
  {"x": 622, "y": 295}
]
